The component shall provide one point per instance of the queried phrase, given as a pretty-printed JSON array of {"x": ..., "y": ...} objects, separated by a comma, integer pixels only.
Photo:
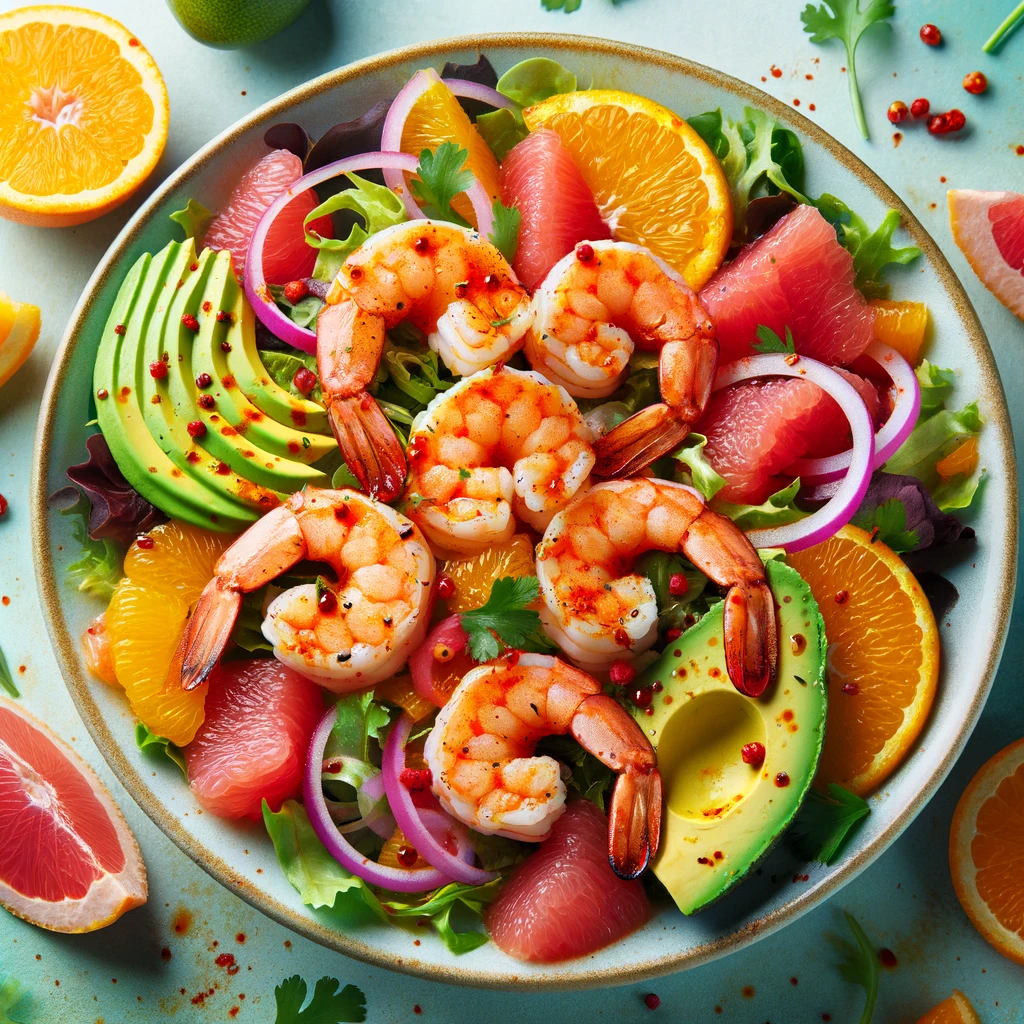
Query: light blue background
[{"x": 905, "y": 901}]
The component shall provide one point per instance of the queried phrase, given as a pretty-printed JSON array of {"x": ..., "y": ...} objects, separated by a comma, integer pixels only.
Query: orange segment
[
  {"x": 901, "y": 325},
  {"x": 654, "y": 179},
  {"x": 146, "y": 617},
  {"x": 474, "y": 577},
  {"x": 956, "y": 1009},
  {"x": 962, "y": 460},
  {"x": 436, "y": 117},
  {"x": 883, "y": 656},
  {"x": 83, "y": 115},
  {"x": 19, "y": 332},
  {"x": 986, "y": 851},
  {"x": 399, "y": 690}
]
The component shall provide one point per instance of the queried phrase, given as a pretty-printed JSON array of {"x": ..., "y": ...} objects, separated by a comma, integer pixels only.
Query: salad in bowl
[{"x": 509, "y": 500}]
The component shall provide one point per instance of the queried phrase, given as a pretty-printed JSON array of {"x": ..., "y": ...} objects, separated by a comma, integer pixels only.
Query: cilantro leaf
[
  {"x": 505, "y": 620},
  {"x": 440, "y": 177},
  {"x": 846, "y": 21},
  {"x": 331, "y": 1004},
  {"x": 771, "y": 342},
  {"x": 826, "y": 822},
  {"x": 561, "y": 5},
  {"x": 14, "y": 999},
  {"x": 150, "y": 743},
  {"x": 193, "y": 220},
  {"x": 505, "y": 234},
  {"x": 6, "y": 679},
  {"x": 859, "y": 966},
  {"x": 888, "y": 523}
]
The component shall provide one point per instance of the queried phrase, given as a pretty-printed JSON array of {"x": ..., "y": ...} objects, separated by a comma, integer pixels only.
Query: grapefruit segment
[
  {"x": 989, "y": 228},
  {"x": 797, "y": 275},
  {"x": 564, "y": 900},
  {"x": 68, "y": 862},
  {"x": 557, "y": 207},
  {"x": 260, "y": 716}
]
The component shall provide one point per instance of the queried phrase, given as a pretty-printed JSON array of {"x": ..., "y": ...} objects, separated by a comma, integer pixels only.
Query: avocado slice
[{"x": 722, "y": 816}]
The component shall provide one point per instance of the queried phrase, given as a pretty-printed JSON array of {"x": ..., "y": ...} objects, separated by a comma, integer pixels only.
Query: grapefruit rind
[
  {"x": 108, "y": 897},
  {"x": 962, "y": 867}
]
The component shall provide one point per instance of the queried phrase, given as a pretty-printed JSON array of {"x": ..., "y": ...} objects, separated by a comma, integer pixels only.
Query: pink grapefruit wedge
[
  {"x": 797, "y": 275},
  {"x": 558, "y": 209},
  {"x": 989, "y": 228},
  {"x": 252, "y": 744},
  {"x": 286, "y": 257},
  {"x": 68, "y": 861},
  {"x": 564, "y": 900}
]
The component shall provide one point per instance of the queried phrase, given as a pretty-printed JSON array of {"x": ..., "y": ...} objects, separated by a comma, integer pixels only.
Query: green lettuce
[
  {"x": 659, "y": 567},
  {"x": 502, "y": 130},
  {"x": 443, "y": 903},
  {"x": 282, "y": 367},
  {"x": 535, "y": 79},
  {"x": 193, "y": 220},
  {"x": 777, "y": 510},
  {"x": 148, "y": 742},
  {"x": 936, "y": 386},
  {"x": 304, "y": 312},
  {"x": 699, "y": 472},
  {"x": 360, "y": 721},
  {"x": 414, "y": 370},
  {"x": 98, "y": 571},
  {"x": 248, "y": 631}
]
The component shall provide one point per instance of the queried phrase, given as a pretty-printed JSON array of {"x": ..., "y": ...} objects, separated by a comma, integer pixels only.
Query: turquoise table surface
[{"x": 140, "y": 969}]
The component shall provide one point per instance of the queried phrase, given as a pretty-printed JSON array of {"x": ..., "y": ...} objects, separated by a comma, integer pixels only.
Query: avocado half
[
  {"x": 722, "y": 816},
  {"x": 261, "y": 441}
]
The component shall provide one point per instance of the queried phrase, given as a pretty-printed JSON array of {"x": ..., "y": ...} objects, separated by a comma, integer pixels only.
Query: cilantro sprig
[
  {"x": 859, "y": 966},
  {"x": 846, "y": 21},
  {"x": 769, "y": 341},
  {"x": 506, "y": 620},
  {"x": 888, "y": 523},
  {"x": 331, "y": 1004},
  {"x": 826, "y": 822}
]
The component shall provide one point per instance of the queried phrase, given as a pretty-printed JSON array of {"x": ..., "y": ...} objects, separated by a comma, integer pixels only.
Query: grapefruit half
[{"x": 68, "y": 861}]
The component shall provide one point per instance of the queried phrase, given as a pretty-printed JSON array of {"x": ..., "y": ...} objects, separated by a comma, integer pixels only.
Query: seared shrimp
[
  {"x": 597, "y": 609},
  {"x": 346, "y": 637},
  {"x": 594, "y": 306},
  {"x": 481, "y": 755},
  {"x": 498, "y": 445},
  {"x": 447, "y": 281}
]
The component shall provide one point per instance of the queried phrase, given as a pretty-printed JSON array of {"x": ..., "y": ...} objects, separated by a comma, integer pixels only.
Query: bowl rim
[{"x": 65, "y": 645}]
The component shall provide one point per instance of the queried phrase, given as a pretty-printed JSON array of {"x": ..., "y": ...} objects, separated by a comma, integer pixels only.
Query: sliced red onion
[
  {"x": 830, "y": 518},
  {"x": 893, "y": 432},
  {"x": 478, "y": 91},
  {"x": 391, "y": 139},
  {"x": 415, "y": 822},
  {"x": 380, "y": 820},
  {"x": 395, "y": 879}
]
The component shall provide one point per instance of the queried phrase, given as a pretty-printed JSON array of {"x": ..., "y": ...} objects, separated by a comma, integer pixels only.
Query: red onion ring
[
  {"x": 395, "y": 879},
  {"x": 830, "y": 518},
  {"x": 478, "y": 91},
  {"x": 411, "y": 819},
  {"x": 391, "y": 139},
  {"x": 891, "y": 434}
]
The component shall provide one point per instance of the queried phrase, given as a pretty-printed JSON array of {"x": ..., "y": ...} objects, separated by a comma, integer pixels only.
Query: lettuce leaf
[
  {"x": 98, "y": 571},
  {"x": 304, "y": 312},
  {"x": 282, "y": 367},
  {"x": 535, "y": 79},
  {"x": 588, "y": 776},
  {"x": 936, "y": 386},
  {"x": 6, "y": 679},
  {"x": 414, "y": 370},
  {"x": 659, "y": 567},
  {"x": 502, "y": 130},
  {"x": 360, "y": 720},
  {"x": 440, "y": 906},
  {"x": 699, "y": 472},
  {"x": 193, "y": 220},
  {"x": 778, "y": 510},
  {"x": 148, "y": 742}
]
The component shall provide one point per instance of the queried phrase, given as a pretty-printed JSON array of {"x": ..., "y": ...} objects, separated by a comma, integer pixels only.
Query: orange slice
[
  {"x": 473, "y": 577},
  {"x": 69, "y": 862},
  {"x": 655, "y": 181},
  {"x": 436, "y": 117},
  {"x": 960, "y": 461},
  {"x": 986, "y": 851},
  {"x": 19, "y": 331},
  {"x": 883, "y": 656},
  {"x": 956, "y": 1009},
  {"x": 146, "y": 617},
  {"x": 989, "y": 228},
  {"x": 901, "y": 325},
  {"x": 83, "y": 115}
]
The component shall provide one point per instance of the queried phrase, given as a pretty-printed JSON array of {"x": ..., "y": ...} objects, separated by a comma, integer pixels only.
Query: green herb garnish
[
  {"x": 331, "y": 1004},
  {"x": 6, "y": 679},
  {"x": 1006, "y": 26},
  {"x": 505, "y": 235},
  {"x": 506, "y": 620},
  {"x": 859, "y": 966},
  {"x": 769, "y": 341},
  {"x": 826, "y": 822},
  {"x": 440, "y": 177},
  {"x": 888, "y": 523}
]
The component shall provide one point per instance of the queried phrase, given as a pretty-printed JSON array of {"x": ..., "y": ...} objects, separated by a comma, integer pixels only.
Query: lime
[{"x": 231, "y": 23}]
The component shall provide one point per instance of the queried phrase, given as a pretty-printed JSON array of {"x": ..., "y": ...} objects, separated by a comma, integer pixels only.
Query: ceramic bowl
[{"x": 241, "y": 857}]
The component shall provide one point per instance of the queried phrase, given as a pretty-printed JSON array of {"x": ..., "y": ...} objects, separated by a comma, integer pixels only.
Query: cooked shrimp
[
  {"x": 447, "y": 281},
  {"x": 498, "y": 445},
  {"x": 597, "y": 609},
  {"x": 481, "y": 755},
  {"x": 595, "y": 305},
  {"x": 353, "y": 634}
]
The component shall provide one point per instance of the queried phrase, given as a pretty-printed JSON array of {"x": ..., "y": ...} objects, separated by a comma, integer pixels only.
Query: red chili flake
[
  {"x": 120, "y": 329},
  {"x": 887, "y": 958},
  {"x": 930, "y": 35},
  {"x": 842, "y": 596},
  {"x": 3, "y": 506},
  {"x": 851, "y": 689},
  {"x": 782, "y": 780},
  {"x": 422, "y": 244},
  {"x": 102, "y": 394},
  {"x": 796, "y": 103},
  {"x": 793, "y": 981},
  {"x": 811, "y": 106},
  {"x": 776, "y": 72},
  {"x": 975, "y": 82},
  {"x": 206, "y": 401},
  {"x": 753, "y": 754},
  {"x": 196, "y": 428},
  {"x": 224, "y": 317},
  {"x": 407, "y": 855},
  {"x": 417, "y": 1008},
  {"x": 240, "y": 938},
  {"x": 920, "y": 107},
  {"x": 651, "y": 1001},
  {"x": 223, "y": 469},
  {"x": 190, "y": 322},
  {"x": 445, "y": 586},
  {"x": 657, "y": 686},
  {"x": 955, "y": 120},
  {"x": 193, "y": 267},
  {"x": 204, "y": 380},
  {"x": 225, "y": 960},
  {"x": 328, "y": 602},
  {"x": 296, "y": 291},
  {"x": 158, "y": 370},
  {"x": 621, "y": 672},
  {"x": 678, "y": 584},
  {"x": 898, "y": 111},
  {"x": 304, "y": 380},
  {"x": 416, "y": 779},
  {"x": 1020, "y": 151},
  {"x": 207, "y": 306},
  {"x": 134, "y": 42},
  {"x": 146, "y": 543},
  {"x": 165, "y": 953},
  {"x": 642, "y": 696},
  {"x": 673, "y": 634},
  {"x": 584, "y": 252}
]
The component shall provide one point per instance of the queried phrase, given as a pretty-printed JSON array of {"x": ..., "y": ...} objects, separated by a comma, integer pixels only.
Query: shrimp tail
[
  {"x": 751, "y": 641},
  {"x": 636, "y": 442},
  {"x": 367, "y": 441},
  {"x": 634, "y": 821},
  {"x": 205, "y": 636}
]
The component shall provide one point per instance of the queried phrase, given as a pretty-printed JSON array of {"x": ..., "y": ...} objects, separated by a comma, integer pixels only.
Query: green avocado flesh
[
  {"x": 721, "y": 815},
  {"x": 261, "y": 442}
]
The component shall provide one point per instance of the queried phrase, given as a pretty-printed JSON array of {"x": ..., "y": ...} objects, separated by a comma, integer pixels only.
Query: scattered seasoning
[
  {"x": 407, "y": 855},
  {"x": 304, "y": 380},
  {"x": 206, "y": 401},
  {"x": 204, "y": 380},
  {"x": 920, "y": 107},
  {"x": 584, "y": 252},
  {"x": 898, "y": 111},
  {"x": 897, "y": 138},
  {"x": 942, "y": 124},
  {"x": 445, "y": 586},
  {"x": 158, "y": 369},
  {"x": 651, "y": 1001},
  {"x": 930, "y": 35},
  {"x": 782, "y": 780},
  {"x": 240, "y": 939},
  {"x": 887, "y": 958},
  {"x": 851, "y": 689},
  {"x": 182, "y": 922},
  {"x": 748, "y": 991},
  {"x": 811, "y": 106},
  {"x": 296, "y": 291},
  {"x": 793, "y": 981},
  {"x": 190, "y": 322},
  {"x": 842, "y": 596},
  {"x": 146, "y": 543},
  {"x": 798, "y": 643},
  {"x": 102, "y": 394},
  {"x": 621, "y": 672},
  {"x": 776, "y": 72},
  {"x": 196, "y": 429},
  {"x": 642, "y": 696},
  {"x": 942, "y": 178},
  {"x": 165, "y": 953},
  {"x": 1020, "y": 151},
  {"x": 3, "y": 510},
  {"x": 327, "y": 601},
  {"x": 417, "y": 1008},
  {"x": 224, "y": 317},
  {"x": 796, "y": 103},
  {"x": 673, "y": 634},
  {"x": 753, "y": 754},
  {"x": 119, "y": 329},
  {"x": 678, "y": 584},
  {"x": 975, "y": 83}
]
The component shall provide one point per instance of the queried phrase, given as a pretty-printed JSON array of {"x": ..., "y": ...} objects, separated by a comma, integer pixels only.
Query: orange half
[
  {"x": 956, "y": 1009},
  {"x": 83, "y": 115}
]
